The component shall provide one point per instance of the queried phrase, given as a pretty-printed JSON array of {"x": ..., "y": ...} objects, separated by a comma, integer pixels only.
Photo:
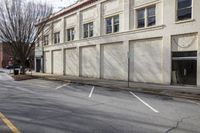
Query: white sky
[{"x": 57, "y": 4}]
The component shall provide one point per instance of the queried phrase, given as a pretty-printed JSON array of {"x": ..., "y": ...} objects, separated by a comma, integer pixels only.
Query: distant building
[
  {"x": 4, "y": 57},
  {"x": 152, "y": 41}
]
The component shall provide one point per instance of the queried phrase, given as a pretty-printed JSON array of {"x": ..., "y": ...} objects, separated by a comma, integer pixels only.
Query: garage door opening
[{"x": 184, "y": 68}]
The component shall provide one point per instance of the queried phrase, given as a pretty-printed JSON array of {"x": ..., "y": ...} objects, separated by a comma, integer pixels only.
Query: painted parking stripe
[
  {"x": 90, "y": 95},
  {"x": 145, "y": 103},
  {"x": 9, "y": 124},
  {"x": 59, "y": 87}
]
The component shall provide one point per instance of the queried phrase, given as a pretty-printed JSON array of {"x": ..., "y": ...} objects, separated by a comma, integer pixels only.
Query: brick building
[{"x": 4, "y": 57}]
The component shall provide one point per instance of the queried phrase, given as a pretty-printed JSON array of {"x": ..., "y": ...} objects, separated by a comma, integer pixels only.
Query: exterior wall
[
  {"x": 47, "y": 62},
  {"x": 71, "y": 62},
  {"x": 57, "y": 62},
  {"x": 4, "y": 57},
  {"x": 113, "y": 61},
  {"x": 149, "y": 46},
  {"x": 88, "y": 61},
  {"x": 146, "y": 61}
]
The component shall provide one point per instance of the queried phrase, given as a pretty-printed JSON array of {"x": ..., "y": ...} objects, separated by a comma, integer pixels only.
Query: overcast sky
[{"x": 58, "y": 4}]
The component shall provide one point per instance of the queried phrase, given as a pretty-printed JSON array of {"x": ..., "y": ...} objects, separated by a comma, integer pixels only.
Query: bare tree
[{"x": 17, "y": 26}]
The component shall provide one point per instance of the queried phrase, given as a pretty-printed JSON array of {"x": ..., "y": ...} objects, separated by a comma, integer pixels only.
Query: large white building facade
[{"x": 151, "y": 41}]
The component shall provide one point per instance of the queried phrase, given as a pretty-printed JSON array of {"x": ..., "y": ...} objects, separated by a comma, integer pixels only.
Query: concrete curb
[{"x": 163, "y": 92}]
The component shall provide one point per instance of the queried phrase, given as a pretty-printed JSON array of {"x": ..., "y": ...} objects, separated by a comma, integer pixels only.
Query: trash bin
[{"x": 16, "y": 72}]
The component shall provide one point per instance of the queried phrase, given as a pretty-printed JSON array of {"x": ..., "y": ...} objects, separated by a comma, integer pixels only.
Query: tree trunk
[{"x": 23, "y": 67}]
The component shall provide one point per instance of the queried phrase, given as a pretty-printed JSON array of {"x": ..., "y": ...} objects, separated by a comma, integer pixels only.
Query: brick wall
[{"x": 4, "y": 57}]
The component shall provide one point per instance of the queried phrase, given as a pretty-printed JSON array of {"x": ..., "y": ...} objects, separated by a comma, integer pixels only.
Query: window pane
[
  {"x": 108, "y": 22},
  {"x": 184, "y": 14},
  {"x": 151, "y": 21},
  {"x": 141, "y": 23},
  {"x": 108, "y": 29},
  {"x": 46, "y": 40},
  {"x": 85, "y": 30},
  {"x": 184, "y": 3},
  {"x": 72, "y": 32},
  {"x": 116, "y": 20},
  {"x": 140, "y": 14},
  {"x": 108, "y": 25},
  {"x": 116, "y": 28},
  {"x": 68, "y": 35},
  {"x": 151, "y": 11},
  {"x": 116, "y": 23},
  {"x": 91, "y": 29}
]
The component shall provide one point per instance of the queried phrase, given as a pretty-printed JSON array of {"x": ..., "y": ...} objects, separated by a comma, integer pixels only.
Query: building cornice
[{"x": 69, "y": 9}]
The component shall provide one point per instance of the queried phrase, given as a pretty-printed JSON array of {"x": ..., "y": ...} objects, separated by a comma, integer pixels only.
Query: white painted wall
[
  {"x": 185, "y": 42},
  {"x": 146, "y": 61},
  {"x": 143, "y": 45},
  {"x": 47, "y": 62},
  {"x": 57, "y": 62},
  {"x": 88, "y": 61},
  {"x": 113, "y": 61},
  {"x": 71, "y": 62}
]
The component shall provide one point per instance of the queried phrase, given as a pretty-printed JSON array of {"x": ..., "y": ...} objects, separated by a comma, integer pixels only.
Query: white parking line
[
  {"x": 156, "y": 111},
  {"x": 90, "y": 95},
  {"x": 59, "y": 87}
]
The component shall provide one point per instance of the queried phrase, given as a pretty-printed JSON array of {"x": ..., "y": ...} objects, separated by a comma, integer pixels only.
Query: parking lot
[{"x": 39, "y": 106}]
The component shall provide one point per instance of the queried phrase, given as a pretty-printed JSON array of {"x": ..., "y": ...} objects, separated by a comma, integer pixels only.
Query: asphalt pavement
[{"x": 40, "y": 106}]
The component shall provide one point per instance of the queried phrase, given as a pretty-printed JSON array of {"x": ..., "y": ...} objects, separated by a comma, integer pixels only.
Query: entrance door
[
  {"x": 184, "y": 68},
  {"x": 38, "y": 65}
]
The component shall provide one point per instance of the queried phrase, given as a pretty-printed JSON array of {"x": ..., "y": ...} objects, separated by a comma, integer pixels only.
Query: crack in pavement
[{"x": 178, "y": 123}]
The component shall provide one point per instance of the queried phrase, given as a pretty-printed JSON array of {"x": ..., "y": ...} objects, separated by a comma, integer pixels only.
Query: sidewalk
[{"x": 188, "y": 92}]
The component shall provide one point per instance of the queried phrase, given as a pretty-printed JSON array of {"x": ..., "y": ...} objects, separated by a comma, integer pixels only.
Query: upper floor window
[
  {"x": 146, "y": 17},
  {"x": 46, "y": 40},
  {"x": 56, "y": 37},
  {"x": 70, "y": 34},
  {"x": 151, "y": 16},
  {"x": 38, "y": 42},
  {"x": 88, "y": 30},
  {"x": 112, "y": 24},
  {"x": 140, "y": 18},
  {"x": 184, "y": 9}
]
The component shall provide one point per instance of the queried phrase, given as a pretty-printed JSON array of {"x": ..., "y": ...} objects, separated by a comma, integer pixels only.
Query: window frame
[
  {"x": 89, "y": 32},
  {"x": 146, "y": 17},
  {"x": 176, "y": 12},
  {"x": 46, "y": 40},
  {"x": 113, "y": 24},
  {"x": 70, "y": 34},
  {"x": 152, "y": 16},
  {"x": 56, "y": 37}
]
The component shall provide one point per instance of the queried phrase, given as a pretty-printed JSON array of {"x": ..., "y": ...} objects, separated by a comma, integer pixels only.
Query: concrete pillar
[
  {"x": 63, "y": 60},
  {"x": 62, "y": 32},
  {"x": 79, "y": 52},
  {"x": 98, "y": 49},
  {"x": 35, "y": 64},
  {"x": 99, "y": 27},
  {"x": 51, "y": 67},
  {"x": 167, "y": 60},
  {"x": 126, "y": 16},
  {"x": 78, "y": 29},
  {"x": 198, "y": 60},
  {"x": 126, "y": 48}
]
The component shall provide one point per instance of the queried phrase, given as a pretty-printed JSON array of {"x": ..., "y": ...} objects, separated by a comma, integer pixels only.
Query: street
[{"x": 39, "y": 106}]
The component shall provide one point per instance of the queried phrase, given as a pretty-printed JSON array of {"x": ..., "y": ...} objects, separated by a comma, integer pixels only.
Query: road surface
[{"x": 39, "y": 106}]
